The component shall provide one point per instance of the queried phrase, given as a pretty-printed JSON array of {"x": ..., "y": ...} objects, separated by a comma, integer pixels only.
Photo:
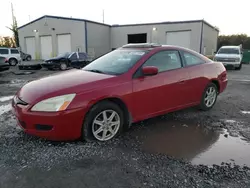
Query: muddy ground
[{"x": 188, "y": 148}]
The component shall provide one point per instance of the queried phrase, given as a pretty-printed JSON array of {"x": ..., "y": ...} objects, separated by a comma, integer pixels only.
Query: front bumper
[
  {"x": 57, "y": 126},
  {"x": 232, "y": 64},
  {"x": 50, "y": 65}
]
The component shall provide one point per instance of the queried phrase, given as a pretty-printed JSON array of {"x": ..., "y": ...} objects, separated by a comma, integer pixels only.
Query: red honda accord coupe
[{"x": 132, "y": 83}]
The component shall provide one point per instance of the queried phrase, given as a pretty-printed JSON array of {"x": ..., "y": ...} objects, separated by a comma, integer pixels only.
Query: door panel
[
  {"x": 46, "y": 47},
  {"x": 164, "y": 91},
  {"x": 30, "y": 46},
  {"x": 179, "y": 38},
  {"x": 159, "y": 93},
  {"x": 64, "y": 43}
]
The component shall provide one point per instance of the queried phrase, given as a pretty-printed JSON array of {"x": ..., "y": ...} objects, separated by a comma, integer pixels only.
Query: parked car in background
[
  {"x": 129, "y": 84},
  {"x": 68, "y": 59},
  {"x": 11, "y": 54},
  {"x": 25, "y": 57},
  {"x": 4, "y": 65},
  {"x": 230, "y": 56}
]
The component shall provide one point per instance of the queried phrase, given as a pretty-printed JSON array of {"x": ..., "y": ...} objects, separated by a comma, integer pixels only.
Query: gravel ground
[{"x": 29, "y": 162}]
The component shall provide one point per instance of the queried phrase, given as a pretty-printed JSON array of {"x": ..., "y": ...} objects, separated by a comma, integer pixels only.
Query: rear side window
[
  {"x": 192, "y": 59},
  {"x": 4, "y": 51},
  {"x": 165, "y": 60},
  {"x": 82, "y": 56},
  {"x": 14, "y": 51}
]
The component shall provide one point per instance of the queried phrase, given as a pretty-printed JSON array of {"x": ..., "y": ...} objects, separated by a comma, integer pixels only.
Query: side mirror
[{"x": 149, "y": 70}]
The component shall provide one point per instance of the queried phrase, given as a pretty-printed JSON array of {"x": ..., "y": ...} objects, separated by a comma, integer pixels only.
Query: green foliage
[
  {"x": 234, "y": 40},
  {"x": 14, "y": 29},
  {"x": 7, "y": 42}
]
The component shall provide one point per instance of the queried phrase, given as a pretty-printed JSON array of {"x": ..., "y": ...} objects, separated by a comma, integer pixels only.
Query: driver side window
[
  {"x": 73, "y": 57},
  {"x": 165, "y": 60}
]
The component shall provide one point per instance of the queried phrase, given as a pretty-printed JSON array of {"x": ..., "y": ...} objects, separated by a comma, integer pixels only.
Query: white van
[
  {"x": 11, "y": 54},
  {"x": 230, "y": 56}
]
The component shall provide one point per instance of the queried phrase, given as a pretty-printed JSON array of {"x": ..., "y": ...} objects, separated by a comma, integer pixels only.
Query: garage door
[
  {"x": 46, "y": 47},
  {"x": 64, "y": 43},
  {"x": 30, "y": 46},
  {"x": 179, "y": 38}
]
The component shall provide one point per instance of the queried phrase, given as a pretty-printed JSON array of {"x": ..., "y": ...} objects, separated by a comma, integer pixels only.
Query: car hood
[
  {"x": 72, "y": 81},
  {"x": 227, "y": 55},
  {"x": 54, "y": 58}
]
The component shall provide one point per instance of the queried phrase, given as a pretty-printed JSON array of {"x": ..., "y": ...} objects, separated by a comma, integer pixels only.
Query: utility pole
[
  {"x": 12, "y": 12},
  {"x": 103, "y": 15}
]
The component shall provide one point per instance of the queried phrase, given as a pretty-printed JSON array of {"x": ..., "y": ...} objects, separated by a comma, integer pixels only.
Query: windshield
[
  {"x": 115, "y": 62},
  {"x": 228, "y": 51},
  {"x": 66, "y": 54}
]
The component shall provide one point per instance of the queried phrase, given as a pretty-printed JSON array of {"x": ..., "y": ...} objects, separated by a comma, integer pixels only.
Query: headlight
[
  {"x": 54, "y": 104},
  {"x": 237, "y": 60}
]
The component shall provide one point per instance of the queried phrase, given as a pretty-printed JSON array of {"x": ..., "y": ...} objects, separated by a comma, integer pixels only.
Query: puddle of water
[
  {"x": 4, "y": 108},
  {"x": 245, "y": 112},
  {"x": 6, "y": 98},
  {"x": 195, "y": 143}
]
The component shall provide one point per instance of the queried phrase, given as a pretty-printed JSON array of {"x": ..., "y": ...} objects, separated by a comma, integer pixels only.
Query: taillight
[{"x": 6, "y": 60}]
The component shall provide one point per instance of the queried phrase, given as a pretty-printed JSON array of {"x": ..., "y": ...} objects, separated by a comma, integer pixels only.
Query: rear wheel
[
  {"x": 209, "y": 97},
  {"x": 28, "y": 58},
  {"x": 103, "y": 122},
  {"x": 63, "y": 66},
  {"x": 12, "y": 62}
]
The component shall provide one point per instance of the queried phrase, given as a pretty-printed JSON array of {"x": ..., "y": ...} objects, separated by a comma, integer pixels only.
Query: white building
[{"x": 49, "y": 36}]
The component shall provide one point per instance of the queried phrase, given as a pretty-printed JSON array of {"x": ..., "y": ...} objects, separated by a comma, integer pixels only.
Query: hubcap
[
  {"x": 210, "y": 96},
  {"x": 105, "y": 125},
  {"x": 63, "y": 66},
  {"x": 12, "y": 62}
]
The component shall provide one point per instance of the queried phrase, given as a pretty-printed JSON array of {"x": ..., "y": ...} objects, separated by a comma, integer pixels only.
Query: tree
[
  {"x": 7, "y": 42},
  {"x": 14, "y": 29},
  {"x": 225, "y": 40}
]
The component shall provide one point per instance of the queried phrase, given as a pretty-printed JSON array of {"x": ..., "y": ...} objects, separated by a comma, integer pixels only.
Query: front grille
[
  {"x": 226, "y": 59},
  {"x": 43, "y": 127}
]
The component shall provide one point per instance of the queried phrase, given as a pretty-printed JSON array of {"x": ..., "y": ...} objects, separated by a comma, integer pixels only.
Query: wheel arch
[{"x": 216, "y": 82}]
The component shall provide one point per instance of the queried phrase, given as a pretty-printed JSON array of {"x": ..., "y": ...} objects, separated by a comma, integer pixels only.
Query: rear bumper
[
  {"x": 57, "y": 126},
  {"x": 223, "y": 85}
]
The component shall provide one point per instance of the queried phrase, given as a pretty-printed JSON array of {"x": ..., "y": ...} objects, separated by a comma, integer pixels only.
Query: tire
[
  {"x": 28, "y": 58},
  {"x": 63, "y": 66},
  {"x": 12, "y": 62},
  {"x": 204, "y": 105},
  {"x": 96, "y": 112},
  {"x": 239, "y": 68}
]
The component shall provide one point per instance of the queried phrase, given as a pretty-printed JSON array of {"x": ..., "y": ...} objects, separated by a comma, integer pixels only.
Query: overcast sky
[{"x": 232, "y": 17}]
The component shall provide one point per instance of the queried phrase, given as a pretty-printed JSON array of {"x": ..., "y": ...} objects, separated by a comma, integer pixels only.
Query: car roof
[
  {"x": 151, "y": 46},
  {"x": 230, "y": 47}
]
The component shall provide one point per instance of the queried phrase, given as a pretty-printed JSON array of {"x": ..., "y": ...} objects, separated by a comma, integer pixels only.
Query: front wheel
[
  {"x": 63, "y": 66},
  {"x": 239, "y": 68},
  {"x": 104, "y": 122},
  {"x": 28, "y": 58},
  {"x": 209, "y": 97}
]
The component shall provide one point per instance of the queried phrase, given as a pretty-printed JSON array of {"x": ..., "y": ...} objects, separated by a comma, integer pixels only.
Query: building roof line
[
  {"x": 63, "y": 18},
  {"x": 125, "y": 25}
]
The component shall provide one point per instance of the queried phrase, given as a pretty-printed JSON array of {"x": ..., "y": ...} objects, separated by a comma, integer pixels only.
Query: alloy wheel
[
  {"x": 210, "y": 96},
  {"x": 106, "y": 125}
]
